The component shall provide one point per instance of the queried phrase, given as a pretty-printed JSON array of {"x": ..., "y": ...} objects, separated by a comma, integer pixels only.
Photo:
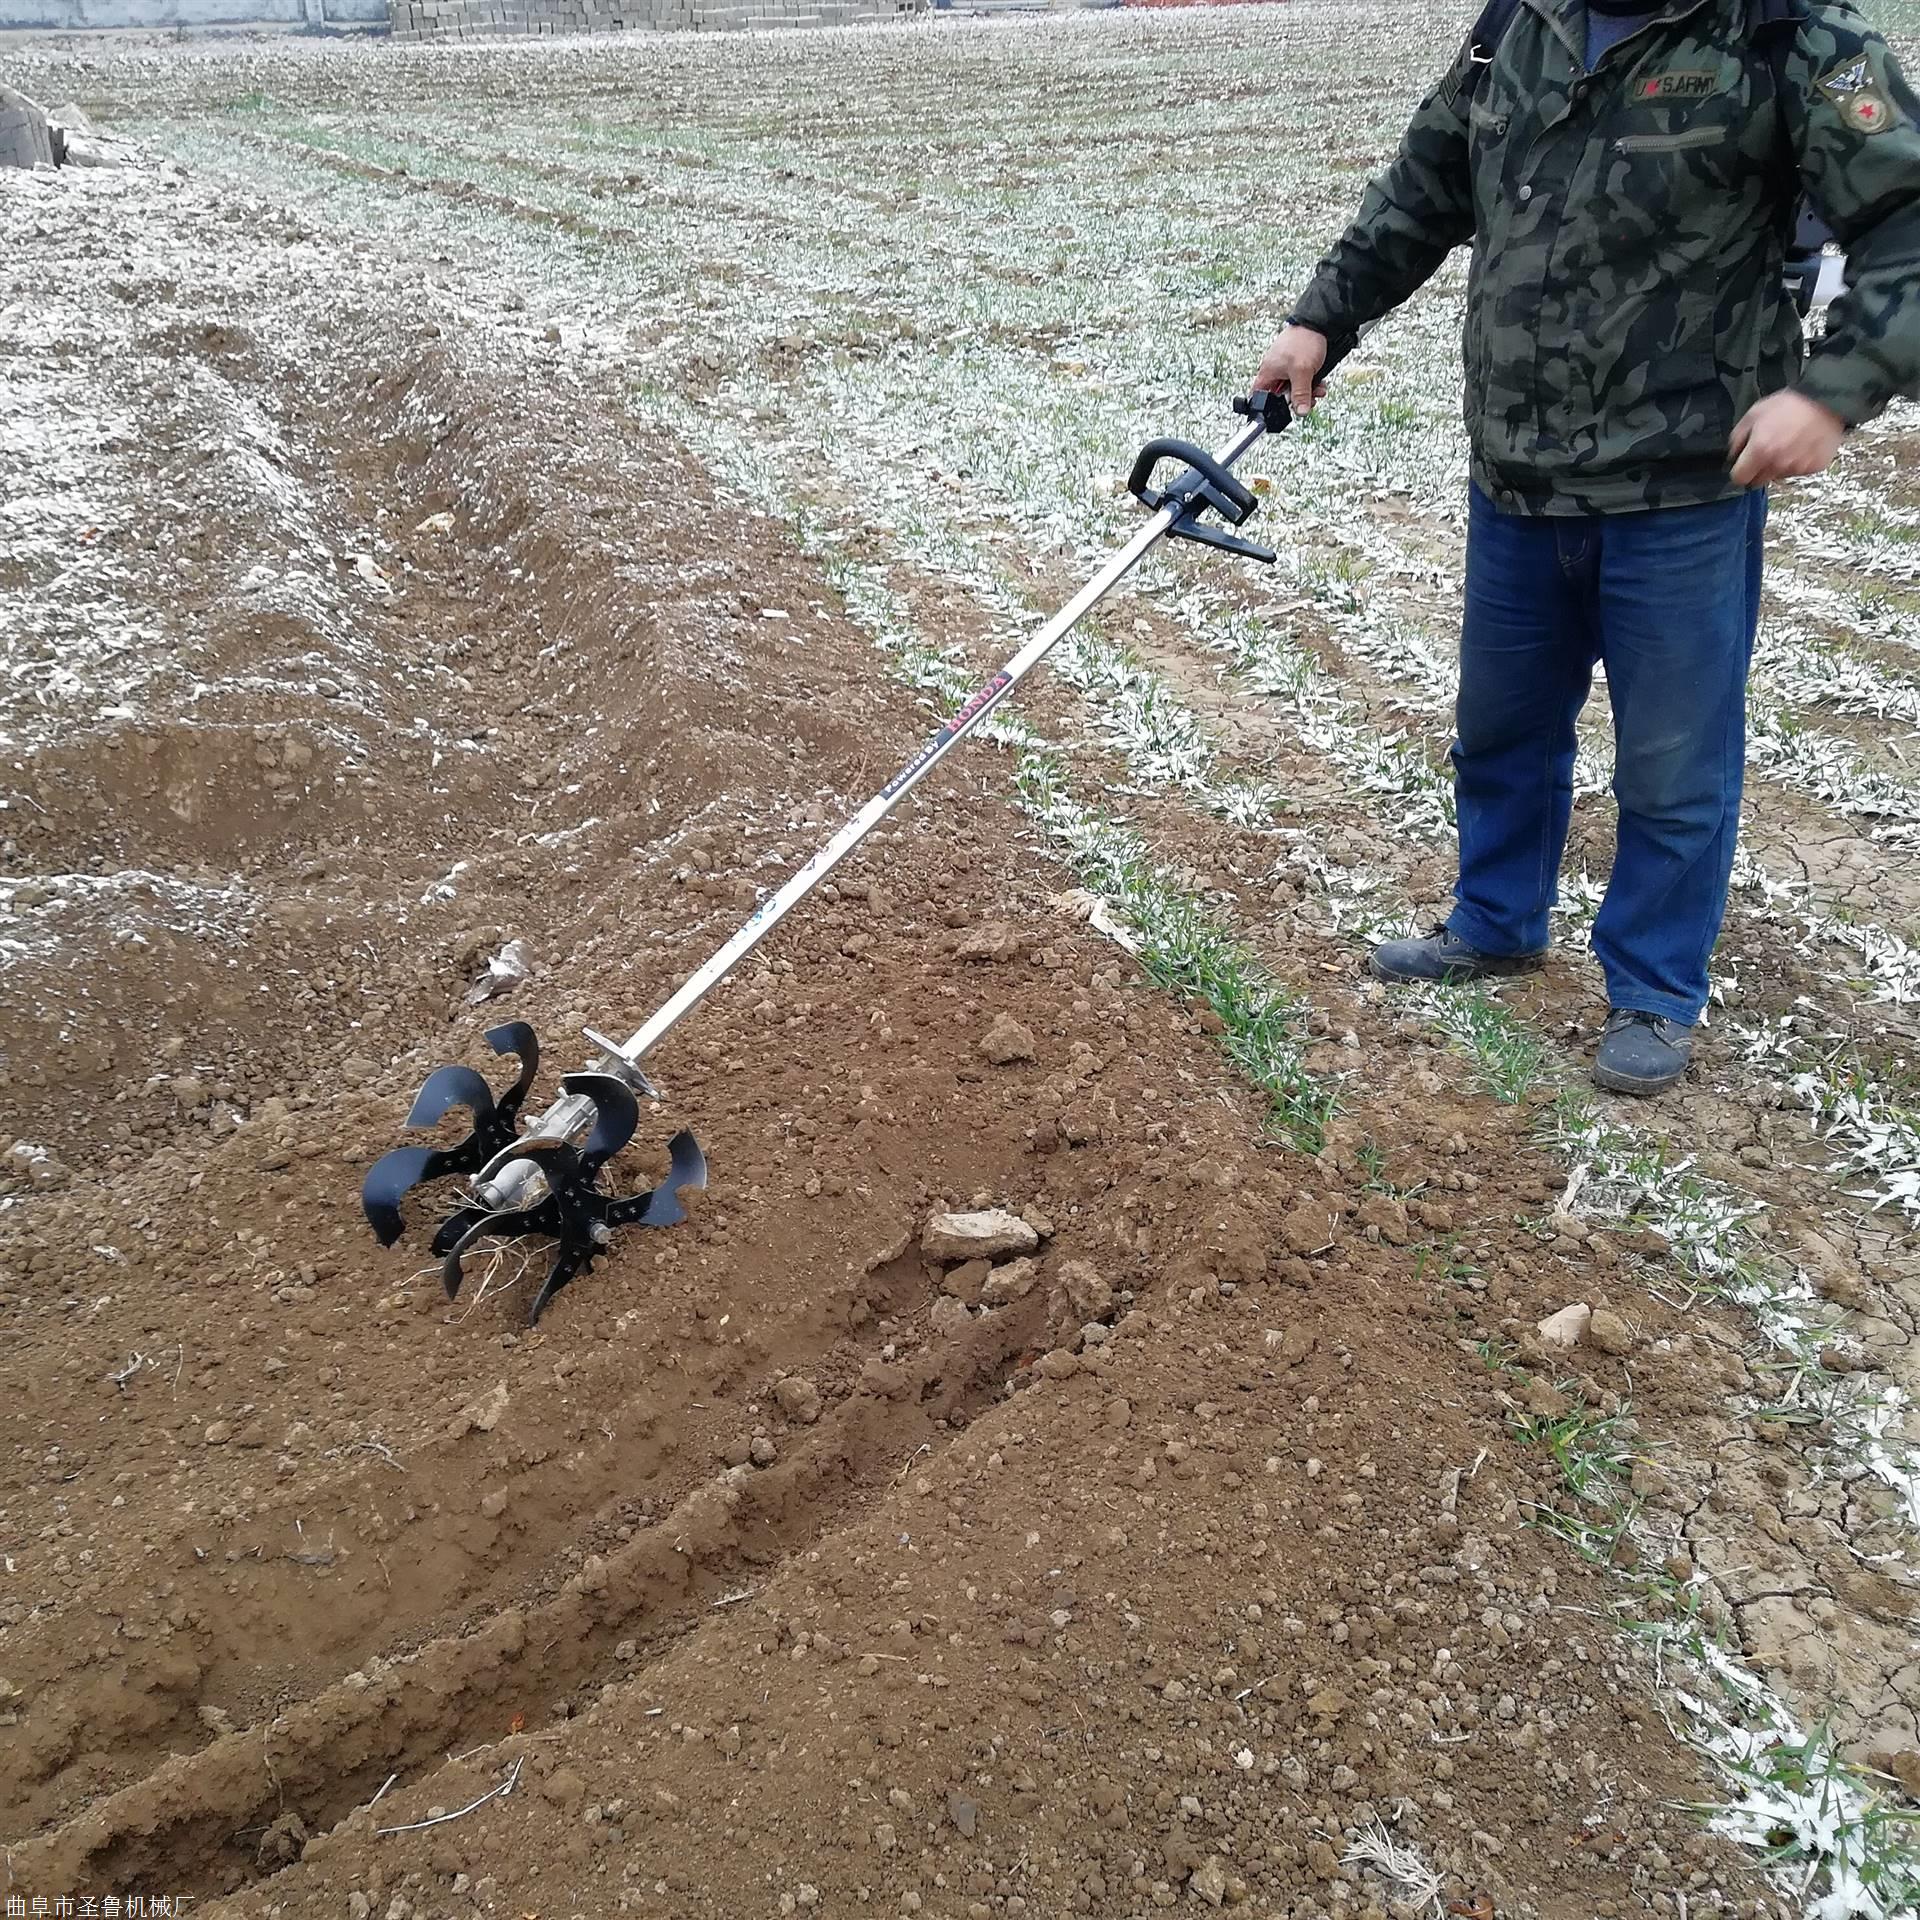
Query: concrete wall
[
  {"x": 491, "y": 19},
  {"x": 81, "y": 16}
]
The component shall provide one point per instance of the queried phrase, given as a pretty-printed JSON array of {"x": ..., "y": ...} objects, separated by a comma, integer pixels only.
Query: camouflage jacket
[{"x": 1629, "y": 228}]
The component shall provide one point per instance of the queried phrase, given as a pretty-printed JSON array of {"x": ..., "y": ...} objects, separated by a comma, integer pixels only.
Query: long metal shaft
[{"x": 506, "y": 1180}]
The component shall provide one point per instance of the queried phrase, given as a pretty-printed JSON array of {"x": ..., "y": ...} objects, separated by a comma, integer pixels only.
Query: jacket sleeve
[
  {"x": 1414, "y": 214},
  {"x": 1856, "y": 127}
]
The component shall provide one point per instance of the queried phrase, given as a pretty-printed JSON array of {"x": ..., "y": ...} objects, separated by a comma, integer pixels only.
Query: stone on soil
[
  {"x": 949, "y": 1315},
  {"x": 965, "y": 1281},
  {"x": 991, "y": 940},
  {"x": 1611, "y": 1334},
  {"x": 1308, "y": 1228},
  {"x": 1007, "y": 1041},
  {"x": 1011, "y": 1282},
  {"x": 798, "y": 1398},
  {"x": 25, "y": 140},
  {"x": 1089, "y": 1293},
  {"x": 1209, "y": 1880},
  {"x": 977, "y": 1236},
  {"x": 1568, "y": 1327}
]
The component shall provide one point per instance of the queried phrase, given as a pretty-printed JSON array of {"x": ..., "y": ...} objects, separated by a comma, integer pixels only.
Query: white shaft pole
[
  {"x": 776, "y": 909},
  {"x": 571, "y": 1112}
]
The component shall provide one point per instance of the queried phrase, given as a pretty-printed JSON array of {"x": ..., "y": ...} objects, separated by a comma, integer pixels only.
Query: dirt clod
[
  {"x": 1088, "y": 1293},
  {"x": 991, "y": 940},
  {"x": 1008, "y": 1283},
  {"x": 798, "y": 1398},
  {"x": 1609, "y": 1332},
  {"x": 1007, "y": 1041}
]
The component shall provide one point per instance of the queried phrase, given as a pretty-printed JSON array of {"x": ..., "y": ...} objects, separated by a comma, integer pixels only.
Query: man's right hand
[{"x": 1292, "y": 366}]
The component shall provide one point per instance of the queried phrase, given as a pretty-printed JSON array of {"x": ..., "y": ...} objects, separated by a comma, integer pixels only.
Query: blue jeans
[{"x": 1669, "y": 601}]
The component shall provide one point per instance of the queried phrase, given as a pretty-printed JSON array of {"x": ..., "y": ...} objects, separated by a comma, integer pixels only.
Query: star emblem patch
[{"x": 1867, "y": 111}]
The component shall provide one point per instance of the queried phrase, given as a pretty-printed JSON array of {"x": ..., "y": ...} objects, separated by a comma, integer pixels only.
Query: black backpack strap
[
  {"x": 1773, "y": 30},
  {"x": 1484, "y": 40}
]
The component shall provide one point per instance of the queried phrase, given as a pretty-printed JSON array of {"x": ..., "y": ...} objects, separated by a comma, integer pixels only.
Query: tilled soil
[{"x": 784, "y": 1567}]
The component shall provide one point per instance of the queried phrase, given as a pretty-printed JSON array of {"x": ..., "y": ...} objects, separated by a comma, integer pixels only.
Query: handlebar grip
[{"x": 1235, "y": 502}]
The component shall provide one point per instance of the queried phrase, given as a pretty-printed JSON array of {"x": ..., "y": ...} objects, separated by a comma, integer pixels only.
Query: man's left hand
[{"x": 1782, "y": 437}]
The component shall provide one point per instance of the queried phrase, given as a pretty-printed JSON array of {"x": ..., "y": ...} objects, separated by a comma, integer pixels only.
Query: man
[{"x": 1635, "y": 378}]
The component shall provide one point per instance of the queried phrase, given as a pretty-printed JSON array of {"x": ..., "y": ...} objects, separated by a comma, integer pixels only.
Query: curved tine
[
  {"x": 688, "y": 1165},
  {"x": 453, "y": 1226},
  {"x": 661, "y": 1206},
  {"x": 567, "y": 1263},
  {"x": 516, "y": 1036},
  {"x": 446, "y": 1088},
  {"x": 522, "y": 1221},
  {"x": 387, "y": 1179},
  {"x": 616, "y": 1113}
]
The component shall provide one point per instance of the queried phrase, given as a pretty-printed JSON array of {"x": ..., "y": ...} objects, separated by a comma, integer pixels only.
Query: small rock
[
  {"x": 964, "y": 1813},
  {"x": 1011, "y": 1282},
  {"x": 1543, "y": 1399},
  {"x": 949, "y": 1315},
  {"x": 1308, "y": 1228},
  {"x": 506, "y": 970},
  {"x": 565, "y": 1788},
  {"x": 1089, "y": 1293},
  {"x": 219, "y": 1433},
  {"x": 798, "y": 1398},
  {"x": 991, "y": 940},
  {"x": 1209, "y": 1880},
  {"x": 1387, "y": 1216},
  {"x": 1058, "y": 1364},
  {"x": 41, "y": 1168},
  {"x": 965, "y": 1281},
  {"x": 1568, "y": 1327},
  {"x": 482, "y": 1415},
  {"x": 1611, "y": 1334},
  {"x": 1007, "y": 1041},
  {"x": 976, "y": 1236},
  {"x": 763, "y": 1453}
]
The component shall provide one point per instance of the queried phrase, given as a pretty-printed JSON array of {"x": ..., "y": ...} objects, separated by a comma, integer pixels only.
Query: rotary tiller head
[{"x": 570, "y": 1205}]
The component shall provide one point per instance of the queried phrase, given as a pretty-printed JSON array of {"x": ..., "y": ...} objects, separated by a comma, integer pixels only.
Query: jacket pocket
[
  {"x": 1671, "y": 142},
  {"x": 1686, "y": 372}
]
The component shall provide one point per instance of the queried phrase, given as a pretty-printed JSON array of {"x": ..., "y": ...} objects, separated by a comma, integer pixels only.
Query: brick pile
[{"x": 493, "y": 19}]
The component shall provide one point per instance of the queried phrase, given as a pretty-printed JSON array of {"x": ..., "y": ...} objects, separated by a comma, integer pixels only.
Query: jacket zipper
[{"x": 1669, "y": 142}]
